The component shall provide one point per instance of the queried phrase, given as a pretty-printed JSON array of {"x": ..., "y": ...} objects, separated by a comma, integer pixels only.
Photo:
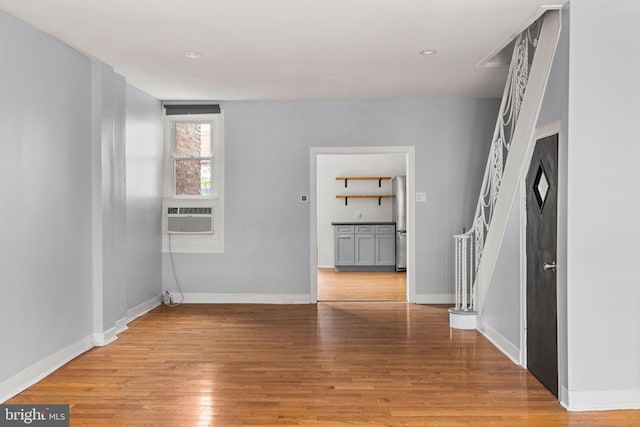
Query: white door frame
[{"x": 409, "y": 152}]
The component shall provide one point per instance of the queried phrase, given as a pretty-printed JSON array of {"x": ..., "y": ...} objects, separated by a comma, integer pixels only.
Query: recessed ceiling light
[
  {"x": 192, "y": 55},
  {"x": 427, "y": 52}
]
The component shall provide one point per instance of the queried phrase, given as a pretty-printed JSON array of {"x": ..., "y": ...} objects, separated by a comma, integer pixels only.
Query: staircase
[{"x": 476, "y": 250}]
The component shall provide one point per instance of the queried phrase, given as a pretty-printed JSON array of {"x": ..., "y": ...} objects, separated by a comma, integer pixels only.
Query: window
[
  {"x": 193, "y": 178},
  {"x": 192, "y": 158}
]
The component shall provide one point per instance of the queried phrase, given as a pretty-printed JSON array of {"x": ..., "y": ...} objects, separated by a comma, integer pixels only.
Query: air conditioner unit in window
[{"x": 189, "y": 220}]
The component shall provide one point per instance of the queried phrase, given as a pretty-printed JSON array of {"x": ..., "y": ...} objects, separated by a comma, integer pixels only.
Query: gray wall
[
  {"x": 501, "y": 310},
  {"x": 109, "y": 197},
  {"x": 267, "y": 168},
  {"x": 64, "y": 250},
  {"x": 144, "y": 153},
  {"x": 603, "y": 272},
  {"x": 45, "y": 170}
]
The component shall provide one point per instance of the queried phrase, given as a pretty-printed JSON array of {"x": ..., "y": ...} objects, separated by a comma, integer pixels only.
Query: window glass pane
[
  {"x": 193, "y": 139},
  {"x": 193, "y": 178}
]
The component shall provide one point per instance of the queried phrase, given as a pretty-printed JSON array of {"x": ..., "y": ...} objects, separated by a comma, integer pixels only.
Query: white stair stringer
[{"x": 520, "y": 146}]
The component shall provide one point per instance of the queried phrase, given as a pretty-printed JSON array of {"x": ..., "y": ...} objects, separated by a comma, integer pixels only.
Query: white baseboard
[
  {"x": 34, "y": 373},
  {"x": 434, "y": 299},
  {"x": 101, "y": 339},
  {"x": 121, "y": 326},
  {"x": 144, "y": 308},
  {"x": 501, "y": 343},
  {"x": 214, "y": 298},
  {"x": 606, "y": 400}
]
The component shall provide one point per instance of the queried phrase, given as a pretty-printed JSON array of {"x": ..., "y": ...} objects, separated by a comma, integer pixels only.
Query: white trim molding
[
  {"x": 434, "y": 298},
  {"x": 143, "y": 308},
  {"x": 220, "y": 298},
  {"x": 599, "y": 400},
  {"x": 107, "y": 337},
  {"x": 36, "y": 372},
  {"x": 100, "y": 339},
  {"x": 500, "y": 342}
]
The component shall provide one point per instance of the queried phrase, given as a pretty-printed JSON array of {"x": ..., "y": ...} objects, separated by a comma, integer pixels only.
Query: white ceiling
[{"x": 290, "y": 49}]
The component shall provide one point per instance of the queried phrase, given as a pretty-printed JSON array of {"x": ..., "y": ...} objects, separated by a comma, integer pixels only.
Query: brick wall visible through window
[{"x": 193, "y": 176}]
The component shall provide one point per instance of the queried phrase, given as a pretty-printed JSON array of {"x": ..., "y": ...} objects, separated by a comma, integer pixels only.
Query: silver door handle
[{"x": 553, "y": 266}]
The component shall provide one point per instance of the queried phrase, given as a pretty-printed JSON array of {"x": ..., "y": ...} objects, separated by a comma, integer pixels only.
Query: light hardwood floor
[
  {"x": 330, "y": 364},
  {"x": 361, "y": 286}
]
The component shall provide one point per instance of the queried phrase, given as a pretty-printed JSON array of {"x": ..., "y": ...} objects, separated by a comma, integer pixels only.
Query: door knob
[{"x": 552, "y": 266}]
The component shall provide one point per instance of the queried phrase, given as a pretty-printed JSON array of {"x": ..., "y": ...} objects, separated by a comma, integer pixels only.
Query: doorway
[
  {"x": 355, "y": 285},
  {"x": 541, "y": 252},
  {"x": 361, "y": 285}
]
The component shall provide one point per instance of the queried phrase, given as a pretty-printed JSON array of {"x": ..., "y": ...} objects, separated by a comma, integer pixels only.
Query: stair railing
[{"x": 469, "y": 244}]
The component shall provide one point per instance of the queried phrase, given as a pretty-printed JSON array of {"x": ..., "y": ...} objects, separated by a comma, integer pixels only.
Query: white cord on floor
[{"x": 175, "y": 276}]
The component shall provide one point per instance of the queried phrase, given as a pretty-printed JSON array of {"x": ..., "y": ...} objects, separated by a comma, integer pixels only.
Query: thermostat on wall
[
  {"x": 304, "y": 198},
  {"x": 421, "y": 197}
]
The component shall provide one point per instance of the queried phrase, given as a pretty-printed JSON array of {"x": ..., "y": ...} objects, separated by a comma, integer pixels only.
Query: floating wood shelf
[
  {"x": 362, "y": 196},
  {"x": 363, "y": 178}
]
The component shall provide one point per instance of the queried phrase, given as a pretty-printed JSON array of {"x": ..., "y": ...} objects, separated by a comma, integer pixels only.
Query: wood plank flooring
[
  {"x": 331, "y": 364},
  {"x": 361, "y": 286}
]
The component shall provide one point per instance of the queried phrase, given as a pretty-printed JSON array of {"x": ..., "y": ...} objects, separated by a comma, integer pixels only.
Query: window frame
[{"x": 207, "y": 243}]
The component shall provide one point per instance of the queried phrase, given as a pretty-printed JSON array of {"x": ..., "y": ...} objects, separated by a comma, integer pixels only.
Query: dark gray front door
[{"x": 542, "y": 212}]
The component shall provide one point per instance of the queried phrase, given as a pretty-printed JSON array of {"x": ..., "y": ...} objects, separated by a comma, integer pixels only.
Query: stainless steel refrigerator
[{"x": 399, "y": 215}]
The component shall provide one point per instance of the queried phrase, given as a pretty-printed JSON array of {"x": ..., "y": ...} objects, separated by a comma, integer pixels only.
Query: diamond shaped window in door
[{"x": 541, "y": 186}]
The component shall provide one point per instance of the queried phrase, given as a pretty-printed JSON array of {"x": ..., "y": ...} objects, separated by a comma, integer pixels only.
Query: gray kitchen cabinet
[
  {"x": 385, "y": 249},
  {"x": 362, "y": 247},
  {"x": 385, "y": 236},
  {"x": 385, "y": 229},
  {"x": 365, "y": 249},
  {"x": 344, "y": 245}
]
